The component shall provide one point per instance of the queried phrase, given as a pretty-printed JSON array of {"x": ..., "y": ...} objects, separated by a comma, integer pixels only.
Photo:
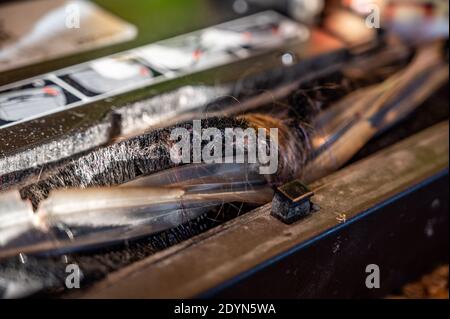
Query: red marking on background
[
  {"x": 426, "y": 9},
  {"x": 197, "y": 54},
  {"x": 50, "y": 91},
  {"x": 275, "y": 30},
  {"x": 347, "y": 3},
  {"x": 429, "y": 10},
  {"x": 389, "y": 11},
  {"x": 144, "y": 71},
  {"x": 247, "y": 35}
]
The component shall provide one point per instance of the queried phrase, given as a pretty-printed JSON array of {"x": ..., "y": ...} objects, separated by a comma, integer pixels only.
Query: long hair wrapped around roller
[
  {"x": 308, "y": 148},
  {"x": 150, "y": 153},
  {"x": 301, "y": 140}
]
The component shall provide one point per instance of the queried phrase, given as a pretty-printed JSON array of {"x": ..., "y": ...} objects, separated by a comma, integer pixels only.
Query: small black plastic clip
[{"x": 292, "y": 201}]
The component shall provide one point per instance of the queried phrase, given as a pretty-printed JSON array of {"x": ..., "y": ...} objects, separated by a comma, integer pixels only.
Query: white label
[{"x": 37, "y": 31}]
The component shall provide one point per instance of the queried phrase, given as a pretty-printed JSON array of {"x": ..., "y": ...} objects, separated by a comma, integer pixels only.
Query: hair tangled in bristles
[
  {"x": 149, "y": 153},
  {"x": 294, "y": 144},
  {"x": 117, "y": 163}
]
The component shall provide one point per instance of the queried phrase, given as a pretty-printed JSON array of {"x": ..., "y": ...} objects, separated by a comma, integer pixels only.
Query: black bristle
[
  {"x": 117, "y": 163},
  {"x": 95, "y": 265}
]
